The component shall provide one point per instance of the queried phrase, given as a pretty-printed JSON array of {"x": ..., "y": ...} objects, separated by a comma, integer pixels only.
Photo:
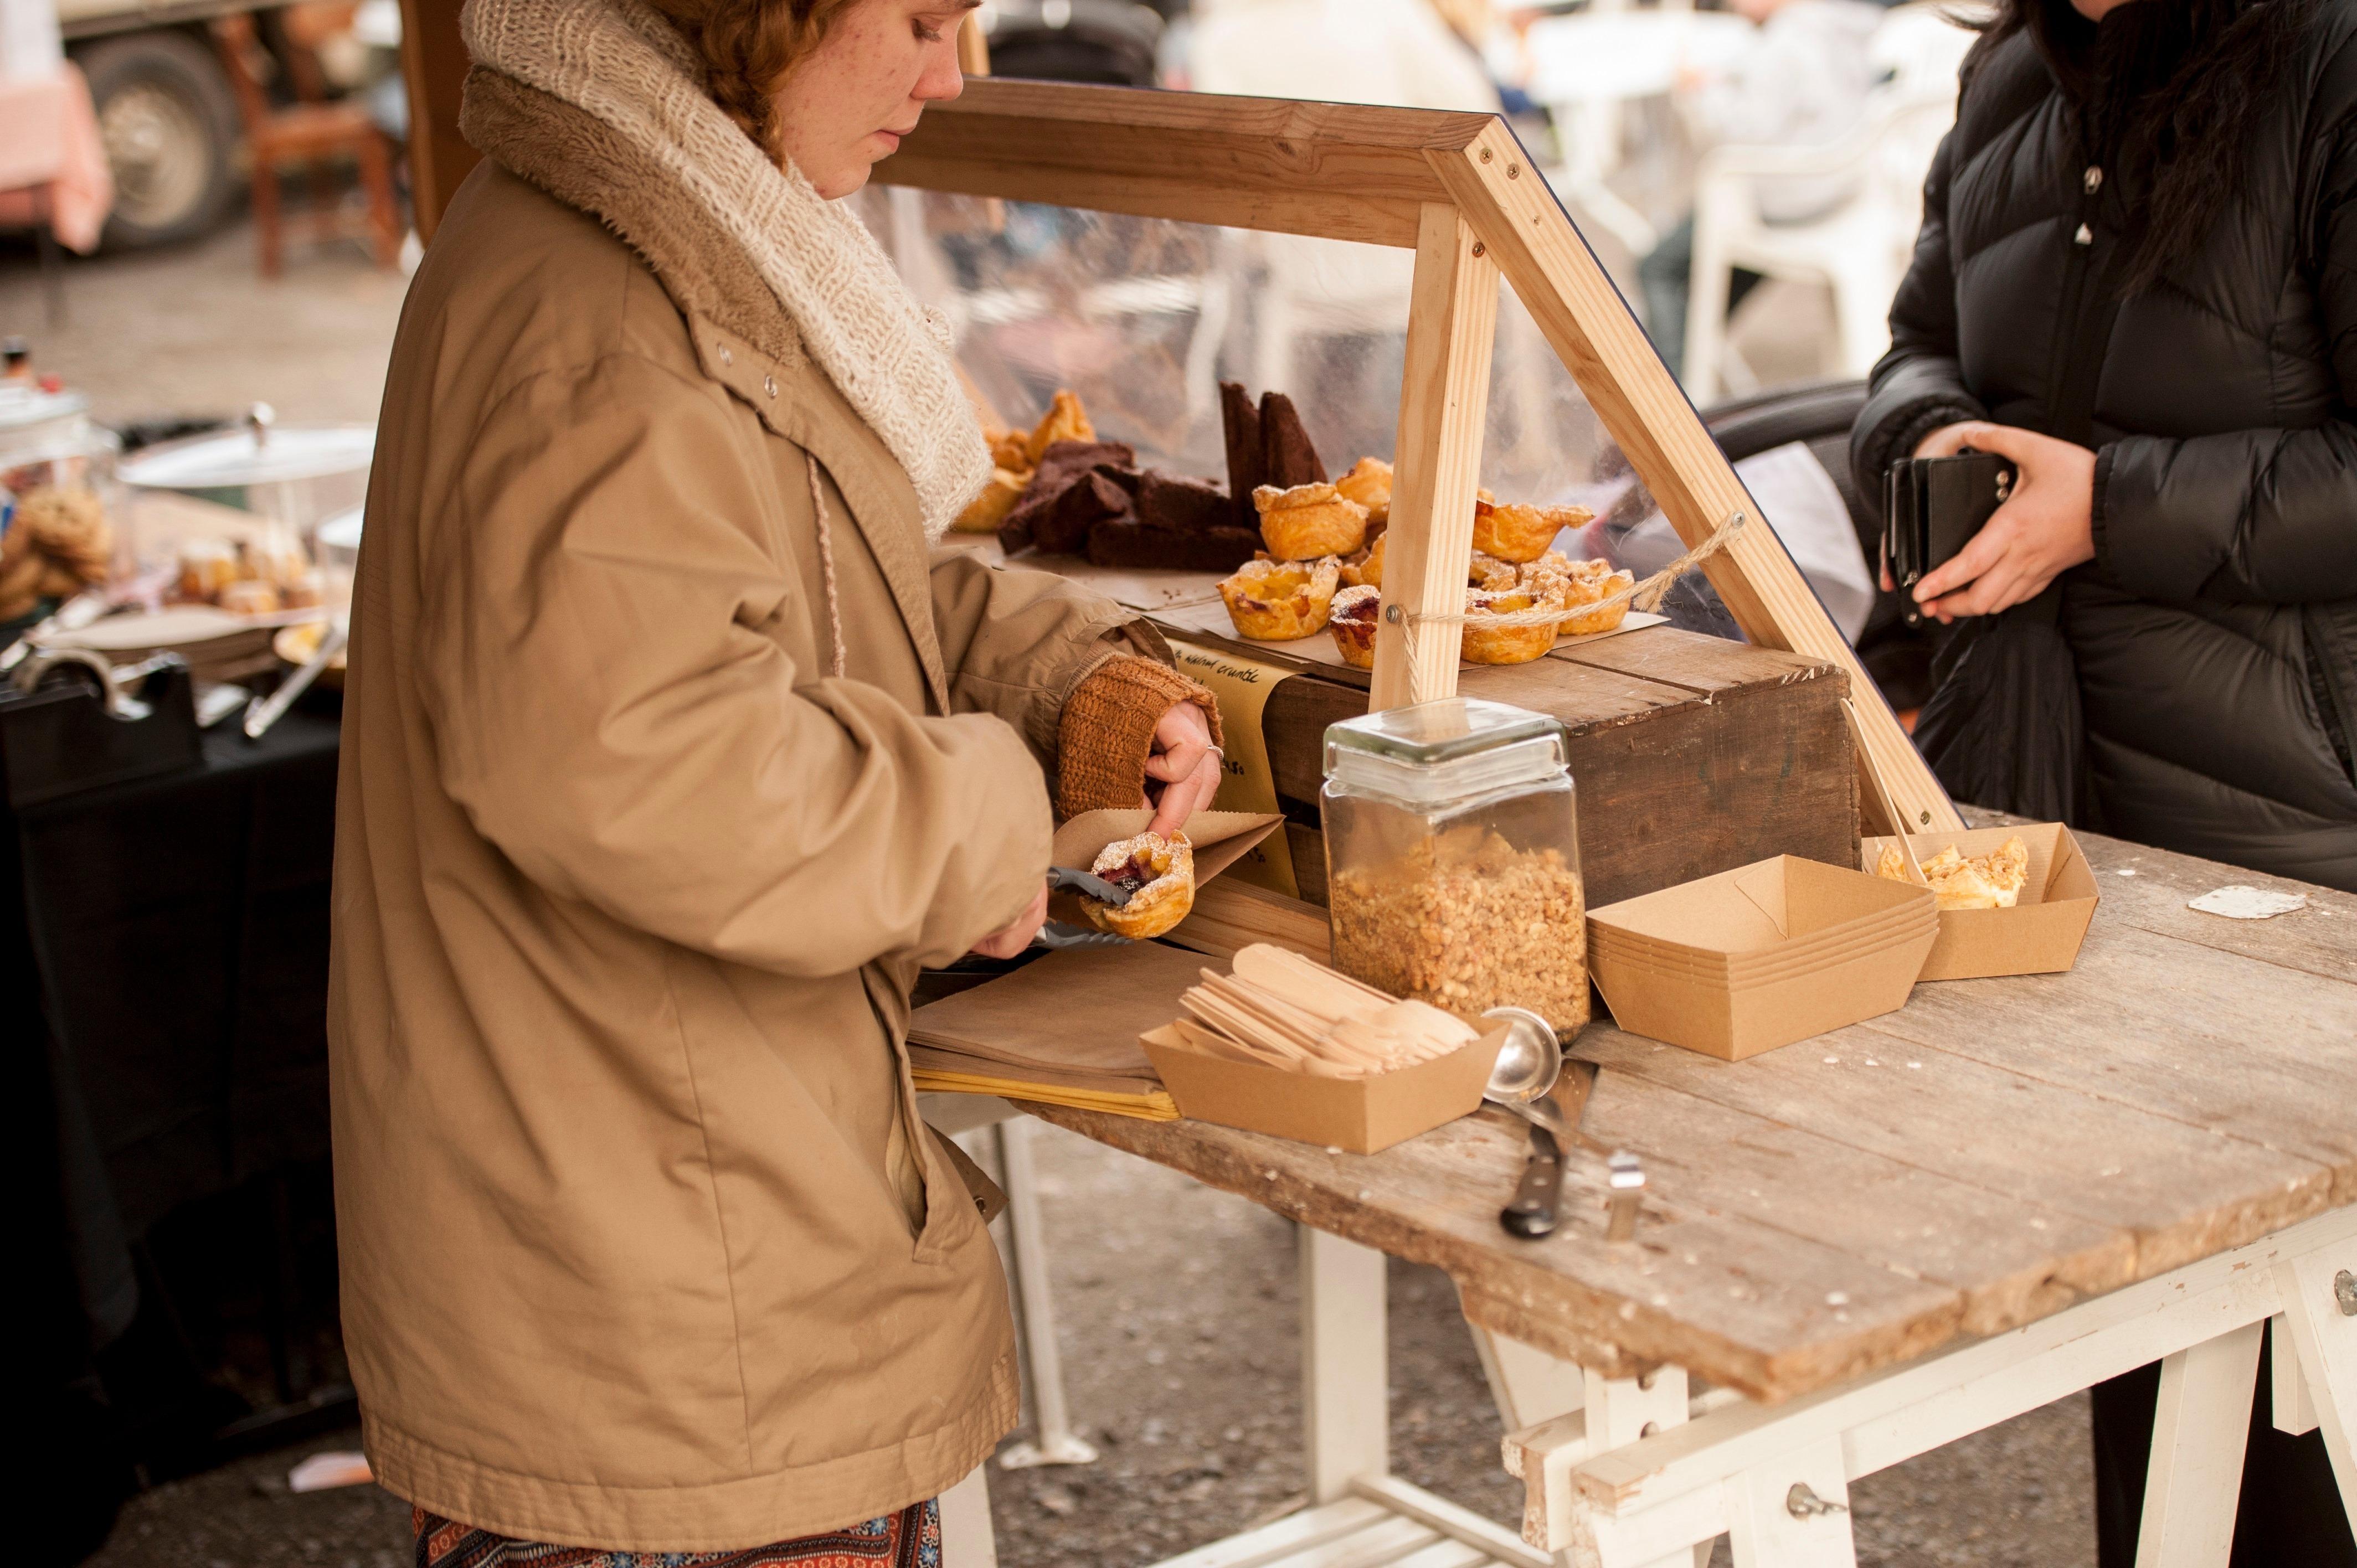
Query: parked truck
[{"x": 166, "y": 112}]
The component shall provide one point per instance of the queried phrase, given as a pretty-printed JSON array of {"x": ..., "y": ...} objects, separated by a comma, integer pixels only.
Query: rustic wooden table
[{"x": 1865, "y": 1245}]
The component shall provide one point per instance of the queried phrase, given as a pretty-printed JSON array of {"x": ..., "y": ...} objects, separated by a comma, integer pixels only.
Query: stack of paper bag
[
  {"x": 1063, "y": 1030},
  {"x": 1760, "y": 956}
]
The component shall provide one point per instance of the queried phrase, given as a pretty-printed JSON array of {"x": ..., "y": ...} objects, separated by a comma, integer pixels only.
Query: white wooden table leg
[
  {"x": 1026, "y": 1237},
  {"x": 2319, "y": 1298},
  {"x": 2289, "y": 1405},
  {"x": 1622, "y": 1410},
  {"x": 2199, "y": 1428},
  {"x": 1345, "y": 1364},
  {"x": 968, "y": 1539},
  {"x": 1793, "y": 1513},
  {"x": 1528, "y": 1385}
]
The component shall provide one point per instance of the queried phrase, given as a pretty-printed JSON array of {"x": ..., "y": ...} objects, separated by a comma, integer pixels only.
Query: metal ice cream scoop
[{"x": 1534, "y": 1080}]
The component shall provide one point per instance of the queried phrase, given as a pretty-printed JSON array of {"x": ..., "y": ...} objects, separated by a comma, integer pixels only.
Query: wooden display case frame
[{"x": 1459, "y": 191}]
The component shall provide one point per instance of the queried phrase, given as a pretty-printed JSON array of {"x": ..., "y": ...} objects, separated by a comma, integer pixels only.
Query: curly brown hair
[{"x": 748, "y": 48}]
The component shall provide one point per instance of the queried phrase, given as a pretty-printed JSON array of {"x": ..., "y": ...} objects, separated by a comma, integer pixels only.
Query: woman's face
[{"x": 853, "y": 99}]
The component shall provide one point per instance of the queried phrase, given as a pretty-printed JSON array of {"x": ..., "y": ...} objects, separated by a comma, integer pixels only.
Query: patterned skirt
[{"x": 910, "y": 1538}]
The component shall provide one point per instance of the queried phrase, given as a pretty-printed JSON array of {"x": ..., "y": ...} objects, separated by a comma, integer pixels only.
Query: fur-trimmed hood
[{"x": 601, "y": 105}]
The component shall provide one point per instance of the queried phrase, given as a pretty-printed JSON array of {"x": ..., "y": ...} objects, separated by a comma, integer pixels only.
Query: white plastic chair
[{"x": 1860, "y": 249}]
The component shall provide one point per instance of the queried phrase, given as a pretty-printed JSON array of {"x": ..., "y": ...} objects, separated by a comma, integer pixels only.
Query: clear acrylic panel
[{"x": 1144, "y": 317}]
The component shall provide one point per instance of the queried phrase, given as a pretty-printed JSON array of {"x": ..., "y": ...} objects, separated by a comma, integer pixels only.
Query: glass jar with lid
[
  {"x": 60, "y": 503},
  {"x": 1452, "y": 859}
]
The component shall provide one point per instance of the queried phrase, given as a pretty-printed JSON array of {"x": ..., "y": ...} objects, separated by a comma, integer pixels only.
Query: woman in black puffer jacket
[{"x": 2137, "y": 279}]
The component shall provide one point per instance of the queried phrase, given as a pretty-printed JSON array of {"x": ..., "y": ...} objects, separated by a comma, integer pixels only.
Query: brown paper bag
[{"x": 1220, "y": 839}]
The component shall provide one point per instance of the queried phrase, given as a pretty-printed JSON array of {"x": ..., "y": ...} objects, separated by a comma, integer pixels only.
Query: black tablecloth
[{"x": 174, "y": 932}]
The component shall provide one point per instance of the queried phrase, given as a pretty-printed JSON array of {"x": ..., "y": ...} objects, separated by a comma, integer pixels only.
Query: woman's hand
[
  {"x": 1015, "y": 935},
  {"x": 1185, "y": 764},
  {"x": 2045, "y": 528}
]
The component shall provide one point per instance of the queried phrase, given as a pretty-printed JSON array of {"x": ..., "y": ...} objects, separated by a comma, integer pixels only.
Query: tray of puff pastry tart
[{"x": 1283, "y": 560}]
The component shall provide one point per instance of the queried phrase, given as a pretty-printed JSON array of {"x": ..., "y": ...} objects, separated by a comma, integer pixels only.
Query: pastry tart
[
  {"x": 1353, "y": 622},
  {"x": 1369, "y": 483},
  {"x": 1010, "y": 450},
  {"x": 1489, "y": 572},
  {"x": 1160, "y": 875},
  {"x": 1991, "y": 881},
  {"x": 1578, "y": 582},
  {"x": 1277, "y": 601},
  {"x": 1065, "y": 420},
  {"x": 1589, "y": 591},
  {"x": 987, "y": 511},
  {"x": 1308, "y": 521},
  {"x": 1504, "y": 644},
  {"x": 1518, "y": 533},
  {"x": 1371, "y": 568}
]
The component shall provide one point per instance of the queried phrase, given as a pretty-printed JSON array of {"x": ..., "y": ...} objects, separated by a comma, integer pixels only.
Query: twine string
[{"x": 1642, "y": 597}]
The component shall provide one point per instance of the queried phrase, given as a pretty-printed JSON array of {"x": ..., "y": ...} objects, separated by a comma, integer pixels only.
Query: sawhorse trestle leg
[{"x": 1776, "y": 1480}]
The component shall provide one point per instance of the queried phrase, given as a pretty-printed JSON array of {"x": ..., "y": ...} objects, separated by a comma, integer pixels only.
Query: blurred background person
[
  {"x": 1400, "y": 52},
  {"x": 1804, "y": 84}
]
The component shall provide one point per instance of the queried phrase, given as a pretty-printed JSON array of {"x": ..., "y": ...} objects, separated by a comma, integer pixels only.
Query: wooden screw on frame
[{"x": 1459, "y": 191}]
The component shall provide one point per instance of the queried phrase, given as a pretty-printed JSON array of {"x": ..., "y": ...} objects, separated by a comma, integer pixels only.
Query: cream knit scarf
[{"x": 620, "y": 63}]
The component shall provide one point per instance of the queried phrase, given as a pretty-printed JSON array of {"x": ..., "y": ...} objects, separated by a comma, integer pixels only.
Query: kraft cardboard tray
[
  {"x": 1739, "y": 964},
  {"x": 2039, "y": 935},
  {"x": 1845, "y": 940},
  {"x": 1361, "y": 1114}
]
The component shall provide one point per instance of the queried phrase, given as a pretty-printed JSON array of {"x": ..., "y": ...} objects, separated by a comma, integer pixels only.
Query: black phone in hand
[{"x": 1932, "y": 507}]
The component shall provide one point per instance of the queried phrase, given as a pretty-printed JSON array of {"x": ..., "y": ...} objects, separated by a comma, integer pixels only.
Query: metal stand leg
[
  {"x": 53, "y": 272},
  {"x": 1345, "y": 1364},
  {"x": 1027, "y": 1240},
  {"x": 968, "y": 1539},
  {"x": 2200, "y": 1425}
]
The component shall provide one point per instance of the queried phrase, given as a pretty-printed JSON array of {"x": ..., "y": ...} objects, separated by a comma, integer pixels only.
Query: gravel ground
[
  {"x": 195, "y": 330},
  {"x": 1179, "y": 1323},
  {"x": 1177, "y": 1304}
]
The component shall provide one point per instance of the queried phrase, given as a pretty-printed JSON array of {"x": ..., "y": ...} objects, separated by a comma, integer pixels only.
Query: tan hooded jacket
[{"x": 643, "y": 1245}]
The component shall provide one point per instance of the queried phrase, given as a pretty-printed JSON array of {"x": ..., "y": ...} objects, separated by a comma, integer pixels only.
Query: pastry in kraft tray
[
  {"x": 1991, "y": 881},
  {"x": 1160, "y": 874},
  {"x": 1277, "y": 601}
]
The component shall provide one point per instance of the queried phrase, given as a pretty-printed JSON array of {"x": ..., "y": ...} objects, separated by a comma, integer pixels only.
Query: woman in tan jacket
[{"x": 673, "y": 751}]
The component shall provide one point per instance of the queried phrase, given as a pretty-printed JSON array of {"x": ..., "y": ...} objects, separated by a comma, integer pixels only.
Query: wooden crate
[{"x": 1692, "y": 755}]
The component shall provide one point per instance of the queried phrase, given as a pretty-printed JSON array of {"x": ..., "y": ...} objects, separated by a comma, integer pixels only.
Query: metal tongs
[
  {"x": 1064, "y": 879},
  {"x": 263, "y": 711}
]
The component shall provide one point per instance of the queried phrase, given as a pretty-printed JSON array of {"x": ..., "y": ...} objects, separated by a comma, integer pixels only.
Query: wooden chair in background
[{"x": 309, "y": 132}]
